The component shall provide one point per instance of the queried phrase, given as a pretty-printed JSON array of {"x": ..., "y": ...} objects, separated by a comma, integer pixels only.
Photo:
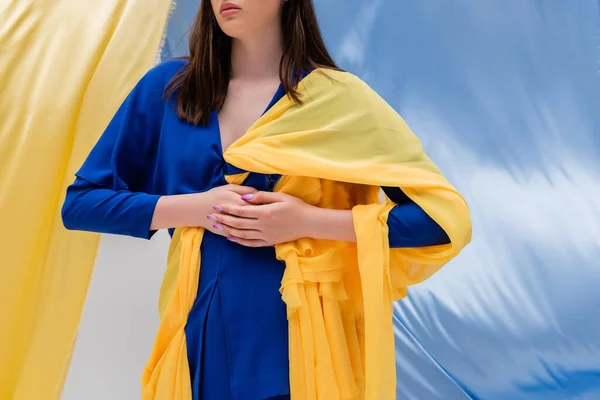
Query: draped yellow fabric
[
  {"x": 335, "y": 151},
  {"x": 65, "y": 66}
]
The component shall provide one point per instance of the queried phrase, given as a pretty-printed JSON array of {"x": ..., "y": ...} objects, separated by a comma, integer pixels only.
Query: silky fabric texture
[
  {"x": 63, "y": 76},
  {"x": 237, "y": 330},
  {"x": 508, "y": 109},
  {"x": 338, "y": 295}
]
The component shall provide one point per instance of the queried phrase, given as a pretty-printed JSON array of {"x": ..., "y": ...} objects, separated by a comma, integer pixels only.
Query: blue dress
[{"x": 237, "y": 329}]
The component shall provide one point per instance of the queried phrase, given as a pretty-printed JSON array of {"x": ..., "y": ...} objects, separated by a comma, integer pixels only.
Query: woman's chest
[
  {"x": 243, "y": 106},
  {"x": 189, "y": 159}
]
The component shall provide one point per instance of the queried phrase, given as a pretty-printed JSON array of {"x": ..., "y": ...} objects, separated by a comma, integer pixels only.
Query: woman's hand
[
  {"x": 228, "y": 195},
  {"x": 187, "y": 210},
  {"x": 253, "y": 218},
  {"x": 264, "y": 219}
]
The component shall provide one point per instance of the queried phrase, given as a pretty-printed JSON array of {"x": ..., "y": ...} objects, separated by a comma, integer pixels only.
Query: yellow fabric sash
[{"x": 334, "y": 151}]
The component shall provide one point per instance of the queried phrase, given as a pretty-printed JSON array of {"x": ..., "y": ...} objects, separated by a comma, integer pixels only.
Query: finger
[
  {"x": 241, "y": 190},
  {"x": 249, "y": 243},
  {"x": 251, "y": 212},
  {"x": 248, "y": 234},
  {"x": 234, "y": 221},
  {"x": 264, "y": 197}
]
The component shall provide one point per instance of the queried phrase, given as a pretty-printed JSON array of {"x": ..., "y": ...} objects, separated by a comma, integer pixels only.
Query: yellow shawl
[{"x": 335, "y": 150}]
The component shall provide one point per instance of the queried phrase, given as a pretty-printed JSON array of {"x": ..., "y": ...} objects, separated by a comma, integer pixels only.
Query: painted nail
[
  {"x": 217, "y": 208},
  {"x": 211, "y": 217},
  {"x": 231, "y": 239},
  {"x": 249, "y": 196},
  {"x": 218, "y": 227}
]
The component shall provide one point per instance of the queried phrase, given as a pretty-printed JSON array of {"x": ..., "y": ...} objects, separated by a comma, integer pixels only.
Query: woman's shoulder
[
  {"x": 148, "y": 95},
  {"x": 166, "y": 70},
  {"x": 158, "y": 77},
  {"x": 337, "y": 83},
  {"x": 338, "y": 76},
  {"x": 349, "y": 90}
]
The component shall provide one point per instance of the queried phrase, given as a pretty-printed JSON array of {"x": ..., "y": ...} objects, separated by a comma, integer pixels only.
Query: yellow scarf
[{"x": 339, "y": 295}]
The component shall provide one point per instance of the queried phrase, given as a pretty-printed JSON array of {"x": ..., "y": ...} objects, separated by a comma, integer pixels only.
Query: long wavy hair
[{"x": 201, "y": 86}]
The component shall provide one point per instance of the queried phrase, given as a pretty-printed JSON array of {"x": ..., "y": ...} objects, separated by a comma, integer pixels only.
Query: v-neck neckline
[{"x": 279, "y": 93}]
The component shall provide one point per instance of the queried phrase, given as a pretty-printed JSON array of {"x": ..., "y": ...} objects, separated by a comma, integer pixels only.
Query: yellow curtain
[{"x": 65, "y": 66}]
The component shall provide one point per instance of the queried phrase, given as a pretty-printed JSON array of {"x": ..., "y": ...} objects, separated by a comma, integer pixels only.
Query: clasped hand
[{"x": 260, "y": 219}]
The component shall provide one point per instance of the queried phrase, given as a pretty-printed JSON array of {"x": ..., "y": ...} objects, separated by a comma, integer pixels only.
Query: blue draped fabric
[{"x": 505, "y": 96}]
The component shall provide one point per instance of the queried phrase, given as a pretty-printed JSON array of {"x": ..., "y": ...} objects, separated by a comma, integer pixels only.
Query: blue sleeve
[
  {"x": 112, "y": 192},
  {"x": 409, "y": 225},
  {"x": 93, "y": 208}
]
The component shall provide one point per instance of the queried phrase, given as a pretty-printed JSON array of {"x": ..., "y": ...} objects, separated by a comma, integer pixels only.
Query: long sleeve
[
  {"x": 93, "y": 208},
  {"x": 112, "y": 192},
  {"x": 409, "y": 225}
]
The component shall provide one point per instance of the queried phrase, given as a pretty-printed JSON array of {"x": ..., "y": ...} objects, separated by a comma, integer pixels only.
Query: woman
[{"x": 160, "y": 164}]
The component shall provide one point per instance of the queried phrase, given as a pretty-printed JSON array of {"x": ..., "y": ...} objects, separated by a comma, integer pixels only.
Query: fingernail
[
  {"x": 217, "y": 208},
  {"x": 211, "y": 217},
  {"x": 219, "y": 227},
  {"x": 249, "y": 196},
  {"x": 232, "y": 239}
]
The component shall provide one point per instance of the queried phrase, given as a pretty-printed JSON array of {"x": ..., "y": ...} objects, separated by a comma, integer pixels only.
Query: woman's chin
[{"x": 234, "y": 32}]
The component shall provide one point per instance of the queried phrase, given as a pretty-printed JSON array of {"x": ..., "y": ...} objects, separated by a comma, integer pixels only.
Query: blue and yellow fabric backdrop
[{"x": 505, "y": 96}]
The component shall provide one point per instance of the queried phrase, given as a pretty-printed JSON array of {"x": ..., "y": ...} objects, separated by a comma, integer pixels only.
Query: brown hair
[{"x": 201, "y": 86}]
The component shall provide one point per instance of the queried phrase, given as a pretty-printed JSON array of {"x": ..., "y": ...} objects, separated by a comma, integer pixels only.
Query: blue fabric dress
[{"x": 237, "y": 329}]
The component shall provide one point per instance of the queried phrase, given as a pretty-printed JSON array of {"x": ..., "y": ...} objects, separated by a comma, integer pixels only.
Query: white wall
[{"x": 119, "y": 321}]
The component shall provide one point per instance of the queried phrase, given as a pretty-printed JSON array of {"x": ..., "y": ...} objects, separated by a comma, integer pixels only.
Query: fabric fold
[
  {"x": 167, "y": 374},
  {"x": 335, "y": 151},
  {"x": 65, "y": 68}
]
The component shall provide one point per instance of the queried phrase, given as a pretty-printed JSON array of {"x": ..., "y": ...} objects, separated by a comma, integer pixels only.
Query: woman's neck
[{"x": 257, "y": 57}]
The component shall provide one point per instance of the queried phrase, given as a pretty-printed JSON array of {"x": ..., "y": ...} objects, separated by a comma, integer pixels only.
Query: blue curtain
[{"x": 505, "y": 96}]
